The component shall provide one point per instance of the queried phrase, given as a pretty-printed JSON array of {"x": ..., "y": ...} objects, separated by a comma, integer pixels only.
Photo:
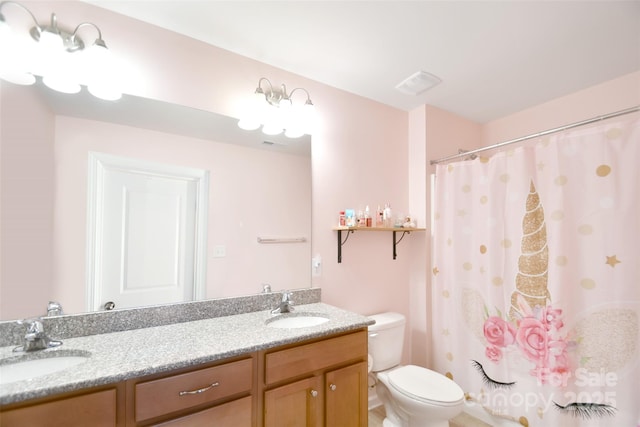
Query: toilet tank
[{"x": 386, "y": 340}]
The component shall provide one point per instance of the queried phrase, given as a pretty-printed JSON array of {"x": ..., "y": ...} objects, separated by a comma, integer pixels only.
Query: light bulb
[
  {"x": 293, "y": 132},
  {"x": 5, "y": 31},
  {"x": 248, "y": 123},
  {"x": 272, "y": 121},
  {"x": 61, "y": 83},
  {"x": 253, "y": 111},
  {"x": 95, "y": 61},
  {"x": 97, "y": 68},
  {"x": 15, "y": 66},
  {"x": 15, "y": 63},
  {"x": 51, "y": 41},
  {"x": 285, "y": 112},
  {"x": 61, "y": 73},
  {"x": 308, "y": 117},
  {"x": 271, "y": 129},
  {"x": 295, "y": 124},
  {"x": 285, "y": 104},
  {"x": 55, "y": 63}
]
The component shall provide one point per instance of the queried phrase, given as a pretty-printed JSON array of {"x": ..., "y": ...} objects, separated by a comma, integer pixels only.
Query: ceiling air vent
[{"x": 418, "y": 83}]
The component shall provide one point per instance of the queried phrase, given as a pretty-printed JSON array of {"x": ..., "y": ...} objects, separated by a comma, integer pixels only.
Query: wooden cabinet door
[
  {"x": 236, "y": 413},
  {"x": 346, "y": 396},
  {"x": 299, "y": 404},
  {"x": 92, "y": 409}
]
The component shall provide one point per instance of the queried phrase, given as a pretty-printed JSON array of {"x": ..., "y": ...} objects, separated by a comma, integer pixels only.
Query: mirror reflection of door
[{"x": 146, "y": 226}]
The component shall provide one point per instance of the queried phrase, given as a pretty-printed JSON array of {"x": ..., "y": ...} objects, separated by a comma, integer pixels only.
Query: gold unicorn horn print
[{"x": 531, "y": 281}]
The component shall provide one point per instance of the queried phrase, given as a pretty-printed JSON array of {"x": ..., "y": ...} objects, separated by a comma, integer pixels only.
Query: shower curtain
[{"x": 536, "y": 278}]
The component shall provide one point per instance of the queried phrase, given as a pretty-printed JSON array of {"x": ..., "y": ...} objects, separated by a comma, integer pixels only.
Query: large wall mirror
[{"x": 259, "y": 187}]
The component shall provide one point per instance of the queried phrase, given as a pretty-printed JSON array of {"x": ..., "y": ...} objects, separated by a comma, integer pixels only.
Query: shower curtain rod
[{"x": 536, "y": 135}]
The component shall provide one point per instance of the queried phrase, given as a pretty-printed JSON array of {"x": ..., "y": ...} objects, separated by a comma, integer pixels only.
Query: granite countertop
[{"x": 129, "y": 354}]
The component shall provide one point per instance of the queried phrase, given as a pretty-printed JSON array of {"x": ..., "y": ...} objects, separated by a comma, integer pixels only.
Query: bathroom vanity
[{"x": 236, "y": 370}]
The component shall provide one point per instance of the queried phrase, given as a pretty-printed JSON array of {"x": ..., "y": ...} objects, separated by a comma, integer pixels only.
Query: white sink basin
[
  {"x": 32, "y": 366},
  {"x": 295, "y": 320}
]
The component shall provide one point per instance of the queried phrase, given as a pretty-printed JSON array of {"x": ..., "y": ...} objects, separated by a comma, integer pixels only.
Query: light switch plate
[{"x": 316, "y": 266}]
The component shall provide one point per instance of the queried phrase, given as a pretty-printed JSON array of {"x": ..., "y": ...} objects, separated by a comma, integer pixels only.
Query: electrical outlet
[{"x": 219, "y": 251}]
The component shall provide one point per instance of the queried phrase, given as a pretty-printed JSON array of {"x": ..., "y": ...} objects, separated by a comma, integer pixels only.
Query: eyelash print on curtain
[{"x": 547, "y": 335}]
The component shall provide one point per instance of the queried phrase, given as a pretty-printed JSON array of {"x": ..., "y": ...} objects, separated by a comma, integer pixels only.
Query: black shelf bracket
[
  {"x": 342, "y": 242},
  {"x": 394, "y": 235},
  {"x": 395, "y": 242}
]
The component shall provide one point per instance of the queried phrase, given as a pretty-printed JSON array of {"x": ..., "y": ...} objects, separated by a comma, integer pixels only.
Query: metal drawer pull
[
  {"x": 202, "y": 390},
  {"x": 314, "y": 393},
  {"x": 332, "y": 387}
]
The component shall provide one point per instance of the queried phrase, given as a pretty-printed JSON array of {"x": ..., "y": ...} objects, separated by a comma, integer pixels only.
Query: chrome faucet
[
  {"x": 286, "y": 305},
  {"x": 54, "y": 309},
  {"x": 35, "y": 338}
]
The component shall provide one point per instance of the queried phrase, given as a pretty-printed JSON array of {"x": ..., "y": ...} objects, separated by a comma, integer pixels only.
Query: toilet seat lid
[{"x": 426, "y": 385}]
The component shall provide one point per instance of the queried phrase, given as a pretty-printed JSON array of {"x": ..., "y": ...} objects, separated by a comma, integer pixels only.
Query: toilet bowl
[{"x": 413, "y": 396}]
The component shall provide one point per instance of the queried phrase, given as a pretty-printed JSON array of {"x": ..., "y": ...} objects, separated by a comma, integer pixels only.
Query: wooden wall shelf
[{"x": 393, "y": 230}]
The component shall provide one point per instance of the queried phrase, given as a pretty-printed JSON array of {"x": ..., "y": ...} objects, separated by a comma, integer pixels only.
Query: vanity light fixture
[
  {"x": 278, "y": 113},
  {"x": 61, "y": 58}
]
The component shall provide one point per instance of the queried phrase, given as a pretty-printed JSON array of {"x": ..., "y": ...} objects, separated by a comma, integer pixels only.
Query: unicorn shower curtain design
[{"x": 536, "y": 278}]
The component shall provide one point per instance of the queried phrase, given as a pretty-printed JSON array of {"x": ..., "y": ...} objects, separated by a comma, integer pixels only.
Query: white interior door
[{"x": 146, "y": 226}]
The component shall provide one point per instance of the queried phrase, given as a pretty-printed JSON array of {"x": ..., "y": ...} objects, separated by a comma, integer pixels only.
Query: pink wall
[
  {"x": 447, "y": 132},
  {"x": 607, "y": 97}
]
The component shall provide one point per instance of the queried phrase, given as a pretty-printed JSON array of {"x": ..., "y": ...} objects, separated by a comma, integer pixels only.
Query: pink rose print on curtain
[
  {"x": 532, "y": 339},
  {"x": 537, "y": 336},
  {"x": 499, "y": 332}
]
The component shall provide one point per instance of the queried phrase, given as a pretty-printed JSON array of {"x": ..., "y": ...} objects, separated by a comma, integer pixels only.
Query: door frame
[{"x": 97, "y": 164}]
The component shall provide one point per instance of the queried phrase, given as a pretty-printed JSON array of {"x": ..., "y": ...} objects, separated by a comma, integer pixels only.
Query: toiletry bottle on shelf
[
  {"x": 379, "y": 217},
  {"x": 342, "y": 219},
  {"x": 367, "y": 217},
  {"x": 350, "y": 217},
  {"x": 387, "y": 216}
]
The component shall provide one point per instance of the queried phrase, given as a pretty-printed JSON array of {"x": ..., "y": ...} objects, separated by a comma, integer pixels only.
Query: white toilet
[{"x": 413, "y": 396}]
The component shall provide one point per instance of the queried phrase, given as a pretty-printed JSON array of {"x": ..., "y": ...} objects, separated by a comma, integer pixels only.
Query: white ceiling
[{"x": 494, "y": 57}]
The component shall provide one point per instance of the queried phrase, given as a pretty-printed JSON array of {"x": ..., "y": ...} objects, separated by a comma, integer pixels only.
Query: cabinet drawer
[
  {"x": 177, "y": 392},
  {"x": 307, "y": 358},
  {"x": 94, "y": 409},
  {"x": 236, "y": 414}
]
